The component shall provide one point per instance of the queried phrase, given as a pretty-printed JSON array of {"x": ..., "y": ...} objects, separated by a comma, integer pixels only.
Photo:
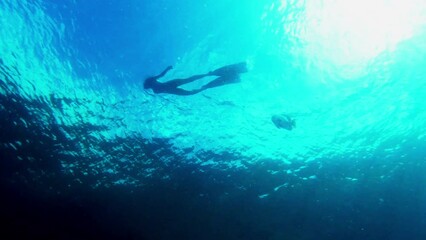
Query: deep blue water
[{"x": 87, "y": 153}]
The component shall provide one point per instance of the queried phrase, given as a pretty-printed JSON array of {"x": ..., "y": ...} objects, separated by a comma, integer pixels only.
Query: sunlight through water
[
  {"x": 301, "y": 55},
  {"x": 347, "y": 35}
]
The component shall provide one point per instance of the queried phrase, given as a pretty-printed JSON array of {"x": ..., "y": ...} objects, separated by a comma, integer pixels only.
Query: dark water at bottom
[
  {"x": 179, "y": 212},
  {"x": 38, "y": 202}
]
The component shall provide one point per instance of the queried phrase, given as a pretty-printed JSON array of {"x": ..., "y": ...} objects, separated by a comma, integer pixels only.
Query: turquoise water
[{"x": 351, "y": 74}]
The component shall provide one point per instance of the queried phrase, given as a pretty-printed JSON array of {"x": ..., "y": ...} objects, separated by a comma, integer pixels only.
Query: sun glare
[{"x": 353, "y": 32}]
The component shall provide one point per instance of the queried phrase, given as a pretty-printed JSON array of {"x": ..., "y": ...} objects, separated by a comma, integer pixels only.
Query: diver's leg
[
  {"x": 220, "y": 81},
  {"x": 229, "y": 70},
  {"x": 183, "y": 92},
  {"x": 178, "y": 82}
]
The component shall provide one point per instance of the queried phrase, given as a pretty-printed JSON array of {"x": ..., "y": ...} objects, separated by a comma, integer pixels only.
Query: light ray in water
[{"x": 350, "y": 33}]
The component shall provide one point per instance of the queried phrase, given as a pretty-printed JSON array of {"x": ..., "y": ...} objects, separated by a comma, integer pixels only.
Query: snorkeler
[{"x": 226, "y": 75}]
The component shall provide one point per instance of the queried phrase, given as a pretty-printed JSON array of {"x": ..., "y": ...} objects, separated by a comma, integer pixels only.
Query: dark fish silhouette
[{"x": 283, "y": 121}]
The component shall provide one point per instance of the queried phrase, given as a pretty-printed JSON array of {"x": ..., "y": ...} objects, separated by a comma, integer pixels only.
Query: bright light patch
[{"x": 350, "y": 33}]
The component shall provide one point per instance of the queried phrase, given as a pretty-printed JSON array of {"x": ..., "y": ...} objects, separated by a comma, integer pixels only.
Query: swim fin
[{"x": 230, "y": 70}]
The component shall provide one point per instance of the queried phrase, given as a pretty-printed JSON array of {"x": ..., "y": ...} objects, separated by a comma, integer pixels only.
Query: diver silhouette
[{"x": 226, "y": 75}]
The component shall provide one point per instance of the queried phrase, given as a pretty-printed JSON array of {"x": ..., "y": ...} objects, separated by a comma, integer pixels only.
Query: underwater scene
[{"x": 213, "y": 119}]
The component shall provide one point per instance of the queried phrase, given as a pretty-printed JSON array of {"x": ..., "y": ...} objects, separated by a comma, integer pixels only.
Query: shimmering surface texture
[{"x": 351, "y": 73}]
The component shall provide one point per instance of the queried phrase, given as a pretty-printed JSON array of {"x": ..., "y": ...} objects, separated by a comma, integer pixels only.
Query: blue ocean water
[{"x": 88, "y": 153}]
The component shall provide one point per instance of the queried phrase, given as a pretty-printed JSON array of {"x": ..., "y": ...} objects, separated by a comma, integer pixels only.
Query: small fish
[{"x": 283, "y": 121}]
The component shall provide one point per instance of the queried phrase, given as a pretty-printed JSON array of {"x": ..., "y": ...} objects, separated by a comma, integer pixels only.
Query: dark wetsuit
[{"x": 226, "y": 75}]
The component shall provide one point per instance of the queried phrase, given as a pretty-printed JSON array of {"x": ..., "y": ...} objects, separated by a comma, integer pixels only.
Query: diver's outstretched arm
[{"x": 164, "y": 72}]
